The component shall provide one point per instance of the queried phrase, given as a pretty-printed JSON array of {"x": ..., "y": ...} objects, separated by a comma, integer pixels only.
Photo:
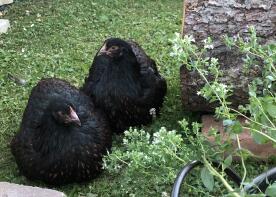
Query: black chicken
[
  {"x": 62, "y": 137},
  {"x": 125, "y": 83}
]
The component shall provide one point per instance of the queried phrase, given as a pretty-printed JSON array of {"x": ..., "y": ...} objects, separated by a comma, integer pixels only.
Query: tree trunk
[{"x": 210, "y": 18}]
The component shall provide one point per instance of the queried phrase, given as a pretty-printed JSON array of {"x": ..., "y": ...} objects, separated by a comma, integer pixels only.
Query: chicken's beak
[
  {"x": 74, "y": 117},
  {"x": 103, "y": 50}
]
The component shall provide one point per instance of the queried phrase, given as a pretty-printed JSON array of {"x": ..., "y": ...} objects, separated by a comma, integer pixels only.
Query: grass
[{"x": 59, "y": 39}]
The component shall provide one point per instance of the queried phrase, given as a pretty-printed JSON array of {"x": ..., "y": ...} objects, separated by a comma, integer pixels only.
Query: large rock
[
  {"x": 15, "y": 190},
  {"x": 4, "y": 25},
  {"x": 5, "y": 2},
  {"x": 215, "y": 19},
  {"x": 261, "y": 151}
]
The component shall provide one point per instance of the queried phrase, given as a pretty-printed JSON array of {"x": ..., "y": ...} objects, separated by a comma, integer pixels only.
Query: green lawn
[{"x": 59, "y": 38}]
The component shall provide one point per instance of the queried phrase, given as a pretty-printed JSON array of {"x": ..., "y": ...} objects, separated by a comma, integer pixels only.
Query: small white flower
[
  {"x": 208, "y": 46},
  {"x": 246, "y": 39},
  {"x": 152, "y": 112},
  {"x": 189, "y": 38},
  {"x": 125, "y": 141},
  {"x": 175, "y": 47},
  {"x": 198, "y": 93},
  {"x": 32, "y": 25},
  {"x": 177, "y": 35},
  {"x": 172, "y": 54},
  {"x": 164, "y": 194},
  {"x": 223, "y": 86},
  {"x": 214, "y": 60}
]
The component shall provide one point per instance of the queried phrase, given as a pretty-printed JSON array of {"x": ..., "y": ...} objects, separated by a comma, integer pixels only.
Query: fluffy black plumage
[
  {"x": 125, "y": 83},
  {"x": 62, "y": 137}
]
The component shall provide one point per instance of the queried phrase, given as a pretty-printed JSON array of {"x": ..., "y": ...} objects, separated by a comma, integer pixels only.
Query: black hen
[
  {"x": 125, "y": 83},
  {"x": 62, "y": 137}
]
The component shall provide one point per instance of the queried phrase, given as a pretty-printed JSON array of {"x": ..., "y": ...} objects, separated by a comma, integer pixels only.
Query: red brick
[{"x": 262, "y": 151}]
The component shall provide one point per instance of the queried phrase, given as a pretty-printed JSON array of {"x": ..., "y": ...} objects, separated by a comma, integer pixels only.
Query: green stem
[
  {"x": 218, "y": 97},
  {"x": 242, "y": 160},
  {"x": 261, "y": 133},
  {"x": 217, "y": 174},
  {"x": 121, "y": 160},
  {"x": 203, "y": 192},
  {"x": 172, "y": 153},
  {"x": 262, "y": 57},
  {"x": 251, "y": 119},
  {"x": 262, "y": 109}
]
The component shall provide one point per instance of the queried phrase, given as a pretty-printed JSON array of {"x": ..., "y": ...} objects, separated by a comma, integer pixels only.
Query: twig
[{"x": 183, "y": 19}]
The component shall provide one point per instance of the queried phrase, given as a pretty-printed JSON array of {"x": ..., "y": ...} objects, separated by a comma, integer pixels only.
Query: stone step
[
  {"x": 5, "y": 2},
  {"x": 15, "y": 190},
  {"x": 4, "y": 25},
  {"x": 262, "y": 151}
]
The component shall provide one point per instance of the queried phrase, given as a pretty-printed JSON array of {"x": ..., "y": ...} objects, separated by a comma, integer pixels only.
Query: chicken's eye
[
  {"x": 61, "y": 113},
  {"x": 114, "y": 47}
]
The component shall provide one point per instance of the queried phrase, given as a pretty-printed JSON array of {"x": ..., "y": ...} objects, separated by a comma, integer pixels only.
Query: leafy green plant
[
  {"x": 271, "y": 190},
  {"x": 262, "y": 104},
  {"x": 149, "y": 163}
]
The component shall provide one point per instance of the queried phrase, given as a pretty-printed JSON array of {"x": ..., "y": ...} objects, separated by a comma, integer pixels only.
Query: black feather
[
  {"x": 56, "y": 153},
  {"x": 125, "y": 84}
]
